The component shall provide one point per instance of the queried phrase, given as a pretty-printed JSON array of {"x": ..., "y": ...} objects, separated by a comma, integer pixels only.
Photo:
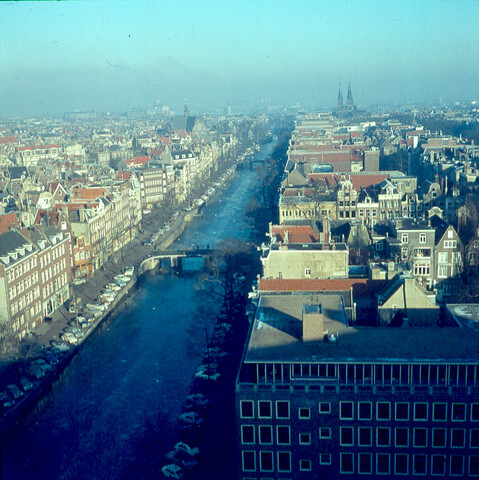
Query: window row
[
  {"x": 263, "y": 435},
  {"x": 405, "y": 437},
  {"x": 403, "y": 411},
  {"x": 365, "y": 374},
  {"x": 404, "y": 464}
]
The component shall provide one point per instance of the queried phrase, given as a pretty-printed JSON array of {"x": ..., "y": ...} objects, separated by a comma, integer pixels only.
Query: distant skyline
[{"x": 64, "y": 56}]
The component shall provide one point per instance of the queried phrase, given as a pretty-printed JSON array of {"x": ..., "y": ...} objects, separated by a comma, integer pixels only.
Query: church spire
[
  {"x": 187, "y": 110},
  {"x": 349, "y": 101},
  {"x": 340, "y": 97}
]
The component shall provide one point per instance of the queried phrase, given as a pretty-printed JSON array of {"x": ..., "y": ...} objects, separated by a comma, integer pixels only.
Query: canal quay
[{"x": 113, "y": 412}]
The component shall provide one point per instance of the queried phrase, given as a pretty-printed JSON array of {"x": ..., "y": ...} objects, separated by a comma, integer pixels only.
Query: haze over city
[{"x": 63, "y": 56}]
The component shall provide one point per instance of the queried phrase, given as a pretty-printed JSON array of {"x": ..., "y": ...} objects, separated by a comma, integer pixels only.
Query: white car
[
  {"x": 69, "y": 337},
  {"x": 114, "y": 287},
  {"x": 184, "y": 447},
  {"x": 191, "y": 418},
  {"x": 129, "y": 271},
  {"x": 173, "y": 471}
]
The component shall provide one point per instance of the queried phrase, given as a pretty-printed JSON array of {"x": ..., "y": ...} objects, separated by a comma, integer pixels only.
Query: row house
[
  {"x": 35, "y": 273},
  {"x": 156, "y": 184},
  {"x": 416, "y": 243},
  {"x": 390, "y": 201},
  {"x": 30, "y": 156}
]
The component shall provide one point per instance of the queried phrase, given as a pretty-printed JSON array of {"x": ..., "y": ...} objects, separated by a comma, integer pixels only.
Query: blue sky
[{"x": 60, "y": 56}]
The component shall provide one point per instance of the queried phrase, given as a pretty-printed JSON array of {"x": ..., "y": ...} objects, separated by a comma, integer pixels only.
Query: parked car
[
  {"x": 184, "y": 447},
  {"x": 69, "y": 337},
  {"x": 197, "y": 400},
  {"x": 25, "y": 384},
  {"x": 6, "y": 401},
  {"x": 191, "y": 418},
  {"x": 129, "y": 271},
  {"x": 35, "y": 372},
  {"x": 181, "y": 458},
  {"x": 14, "y": 391},
  {"x": 50, "y": 357},
  {"x": 62, "y": 346},
  {"x": 173, "y": 471},
  {"x": 41, "y": 363},
  {"x": 114, "y": 287}
]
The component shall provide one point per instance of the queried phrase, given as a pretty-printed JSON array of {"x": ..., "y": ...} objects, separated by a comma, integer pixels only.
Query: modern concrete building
[{"x": 318, "y": 398}]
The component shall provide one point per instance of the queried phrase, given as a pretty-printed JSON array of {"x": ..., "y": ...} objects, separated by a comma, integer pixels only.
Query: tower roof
[{"x": 349, "y": 100}]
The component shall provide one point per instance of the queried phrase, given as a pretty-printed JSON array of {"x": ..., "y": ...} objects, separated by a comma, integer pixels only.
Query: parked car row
[{"x": 182, "y": 456}]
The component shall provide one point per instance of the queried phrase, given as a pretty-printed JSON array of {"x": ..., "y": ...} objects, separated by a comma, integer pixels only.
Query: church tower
[
  {"x": 349, "y": 100},
  {"x": 187, "y": 110},
  {"x": 340, "y": 98}
]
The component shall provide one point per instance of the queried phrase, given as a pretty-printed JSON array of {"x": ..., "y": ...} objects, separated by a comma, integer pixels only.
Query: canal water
[{"x": 116, "y": 405}]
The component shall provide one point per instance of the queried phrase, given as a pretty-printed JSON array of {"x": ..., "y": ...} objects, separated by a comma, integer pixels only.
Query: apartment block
[{"x": 319, "y": 398}]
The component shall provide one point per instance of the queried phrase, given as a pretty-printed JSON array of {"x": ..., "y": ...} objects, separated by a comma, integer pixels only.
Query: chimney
[
  {"x": 81, "y": 213},
  {"x": 286, "y": 236},
  {"x": 313, "y": 323}
]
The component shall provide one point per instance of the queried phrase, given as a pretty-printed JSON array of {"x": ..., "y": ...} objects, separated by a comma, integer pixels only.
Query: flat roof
[{"x": 276, "y": 336}]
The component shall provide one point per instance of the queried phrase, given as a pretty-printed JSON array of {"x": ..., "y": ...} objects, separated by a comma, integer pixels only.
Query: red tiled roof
[
  {"x": 37, "y": 147},
  {"x": 8, "y": 220},
  {"x": 123, "y": 175},
  {"x": 296, "y": 233},
  {"x": 138, "y": 160},
  {"x": 364, "y": 181},
  {"x": 8, "y": 139},
  {"x": 362, "y": 287},
  {"x": 88, "y": 193}
]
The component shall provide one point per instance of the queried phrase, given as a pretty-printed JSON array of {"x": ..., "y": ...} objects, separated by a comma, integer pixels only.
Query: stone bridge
[{"x": 175, "y": 256}]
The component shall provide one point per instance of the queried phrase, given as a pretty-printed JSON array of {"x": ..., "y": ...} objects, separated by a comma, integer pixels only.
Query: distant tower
[
  {"x": 340, "y": 98},
  {"x": 349, "y": 100},
  {"x": 187, "y": 111}
]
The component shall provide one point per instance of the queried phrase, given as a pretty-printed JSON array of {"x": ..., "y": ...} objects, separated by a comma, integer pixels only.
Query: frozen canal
[{"x": 127, "y": 384}]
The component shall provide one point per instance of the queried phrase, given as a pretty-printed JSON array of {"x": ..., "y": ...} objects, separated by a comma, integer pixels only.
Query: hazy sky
[{"x": 62, "y": 56}]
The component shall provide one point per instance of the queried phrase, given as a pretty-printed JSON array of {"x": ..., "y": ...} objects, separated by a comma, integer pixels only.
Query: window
[
  {"x": 420, "y": 437},
  {"x": 450, "y": 243},
  {"x": 347, "y": 463},
  {"x": 266, "y": 461},
  {"x": 456, "y": 465},
  {"x": 422, "y": 238},
  {"x": 307, "y": 272},
  {"x": 346, "y": 411},
  {"x": 246, "y": 407},
  {"x": 401, "y": 466},
  {"x": 364, "y": 410},
  {"x": 402, "y": 411},
  {"x": 442, "y": 271},
  {"x": 439, "y": 412},
  {"x": 265, "y": 434},
  {"x": 404, "y": 238},
  {"x": 346, "y": 435},
  {"x": 474, "y": 438},
  {"x": 282, "y": 409},
  {"x": 382, "y": 464},
  {"x": 458, "y": 438},
  {"x": 402, "y": 437},
  {"x": 419, "y": 464},
  {"x": 438, "y": 464},
  {"x": 325, "y": 407},
  {"x": 420, "y": 411},
  {"x": 383, "y": 437},
  {"x": 305, "y": 465},
  {"x": 264, "y": 410},
  {"x": 365, "y": 436},
  {"x": 283, "y": 435},
  {"x": 284, "y": 461},
  {"x": 383, "y": 411},
  {"x": 325, "y": 459},
  {"x": 247, "y": 434},
  {"x": 303, "y": 413},
  {"x": 365, "y": 463},
  {"x": 249, "y": 461},
  {"x": 474, "y": 412},
  {"x": 324, "y": 433},
  {"x": 304, "y": 439},
  {"x": 442, "y": 257},
  {"x": 439, "y": 437}
]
